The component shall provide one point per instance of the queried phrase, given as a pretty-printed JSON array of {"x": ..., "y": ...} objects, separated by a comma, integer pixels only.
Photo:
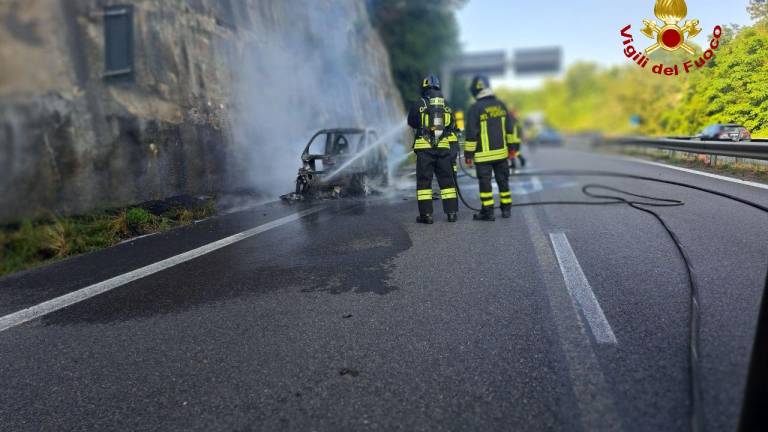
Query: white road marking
[
  {"x": 592, "y": 392},
  {"x": 61, "y": 302},
  {"x": 580, "y": 291},
  {"x": 534, "y": 185},
  {"x": 692, "y": 171},
  {"x": 526, "y": 186}
]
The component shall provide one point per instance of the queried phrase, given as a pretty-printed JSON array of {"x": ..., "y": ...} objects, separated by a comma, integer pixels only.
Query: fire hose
[{"x": 641, "y": 203}]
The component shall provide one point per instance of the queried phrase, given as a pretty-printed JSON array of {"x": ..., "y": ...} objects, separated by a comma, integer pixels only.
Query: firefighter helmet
[
  {"x": 430, "y": 82},
  {"x": 479, "y": 83}
]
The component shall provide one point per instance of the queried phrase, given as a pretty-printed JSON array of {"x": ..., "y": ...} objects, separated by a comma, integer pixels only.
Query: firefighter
[
  {"x": 491, "y": 141},
  {"x": 458, "y": 116},
  {"x": 432, "y": 120},
  {"x": 523, "y": 161}
]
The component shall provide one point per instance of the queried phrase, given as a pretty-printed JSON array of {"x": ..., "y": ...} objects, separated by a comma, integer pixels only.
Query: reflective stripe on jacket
[
  {"x": 492, "y": 132},
  {"x": 417, "y": 119}
]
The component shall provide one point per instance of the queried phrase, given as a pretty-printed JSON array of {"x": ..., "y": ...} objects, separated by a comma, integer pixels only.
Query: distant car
[
  {"x": 548, "y": 136},
  {"x": 725, "y": 132}
]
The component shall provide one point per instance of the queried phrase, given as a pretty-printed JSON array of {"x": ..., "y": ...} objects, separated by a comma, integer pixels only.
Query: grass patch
[{"x": 32, "y": 243}]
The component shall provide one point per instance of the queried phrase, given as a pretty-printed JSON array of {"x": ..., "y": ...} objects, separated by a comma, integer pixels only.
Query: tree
[
  {"x": 758, "y": 9},
  {"x": 420, "y": 35},
  {"x": 732, "y": 88}
]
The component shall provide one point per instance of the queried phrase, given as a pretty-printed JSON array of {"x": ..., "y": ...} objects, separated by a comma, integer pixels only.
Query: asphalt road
[{"x": 356, "y": 318}]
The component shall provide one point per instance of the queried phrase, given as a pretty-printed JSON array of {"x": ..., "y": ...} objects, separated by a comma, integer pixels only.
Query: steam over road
[{"x": 347, "y": 315}]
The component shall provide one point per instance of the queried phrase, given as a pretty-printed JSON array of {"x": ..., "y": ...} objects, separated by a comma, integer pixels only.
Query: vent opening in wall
[{"x": 118, "y": 42}]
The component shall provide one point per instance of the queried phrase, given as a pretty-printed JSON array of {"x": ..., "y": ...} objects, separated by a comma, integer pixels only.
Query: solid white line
[
  {"x": 692, "y": 171},
  {"x": 61, "y": 302},
  {"x": 580, "y": 291}
]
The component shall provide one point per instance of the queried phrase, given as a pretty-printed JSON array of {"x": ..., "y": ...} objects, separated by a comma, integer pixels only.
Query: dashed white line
[
  {"x": 580, "y": 291},
  {"x": 61, "y": 302},
  {"x": 593, "y": 394}
]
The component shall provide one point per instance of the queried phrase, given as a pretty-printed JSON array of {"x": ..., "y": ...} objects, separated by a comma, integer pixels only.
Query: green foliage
[
  {"x": 137, "y": 219},
  {"x": 186, "y": 216},
  {"x": 758, "y": 9},
  {"x": 420, "y": 35},
  {"x": 31, "y": 243},
  {"x": 732, "y": 88},
  {"x": 21, "y": 245}
]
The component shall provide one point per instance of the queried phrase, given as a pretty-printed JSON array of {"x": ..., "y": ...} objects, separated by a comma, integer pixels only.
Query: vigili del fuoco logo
[{"x": 669, "y": 35}]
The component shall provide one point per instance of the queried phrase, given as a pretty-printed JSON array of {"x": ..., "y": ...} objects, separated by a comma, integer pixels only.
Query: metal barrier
[{"x": 755, "y": 149}]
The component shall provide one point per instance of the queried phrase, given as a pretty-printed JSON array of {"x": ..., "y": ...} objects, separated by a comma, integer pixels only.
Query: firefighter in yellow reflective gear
[
  {"x": 459, "y": 120},
  {"x": 432, "y": 120},
  {"x": 519, "y": 155},
  {"x": 492, "y": 138}
]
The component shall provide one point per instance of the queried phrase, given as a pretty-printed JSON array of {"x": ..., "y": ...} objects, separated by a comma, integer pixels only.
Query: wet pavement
[{"x": 356, "y": 318}]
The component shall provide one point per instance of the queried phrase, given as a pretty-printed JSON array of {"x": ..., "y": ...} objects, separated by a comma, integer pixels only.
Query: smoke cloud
[{"x": 323, "y": 69}]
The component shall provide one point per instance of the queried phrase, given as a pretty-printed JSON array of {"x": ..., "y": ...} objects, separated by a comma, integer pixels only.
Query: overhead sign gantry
[{"x": 528, "y": 61}]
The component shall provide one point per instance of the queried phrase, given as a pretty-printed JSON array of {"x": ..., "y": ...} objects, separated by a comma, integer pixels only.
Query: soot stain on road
[
  {"x": 354, "y": 257},
  {"x": 334, "y": 253}
]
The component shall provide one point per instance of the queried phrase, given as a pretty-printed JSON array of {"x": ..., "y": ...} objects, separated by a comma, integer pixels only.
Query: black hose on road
[{"x": 695, "y": 412}]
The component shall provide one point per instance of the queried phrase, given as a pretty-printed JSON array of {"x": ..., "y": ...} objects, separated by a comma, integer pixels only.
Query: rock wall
[{"x": 224, "y": 94}]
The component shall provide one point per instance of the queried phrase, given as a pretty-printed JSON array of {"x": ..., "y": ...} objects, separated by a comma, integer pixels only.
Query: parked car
[
  {"x": 340, "y": 162},
  {"x": 725, "y": 132},
  {"x": 547, "y": 137}
]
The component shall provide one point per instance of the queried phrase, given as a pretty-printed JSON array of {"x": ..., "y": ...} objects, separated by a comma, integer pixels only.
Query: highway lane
[
  {"x": 25, "y": 289},
  {"x": 357, "y": 318},
  {"x": 726, "y": 243}
]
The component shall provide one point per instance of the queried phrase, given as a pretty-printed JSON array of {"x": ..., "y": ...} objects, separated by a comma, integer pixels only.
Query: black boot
[
  {"x": 522, "y": 161},
  {"x": 453, "y": 217},
  {"x": 425, "y": 219},
  {"x": 506, "y": 212},
  {"x": 486, "y": 214}
]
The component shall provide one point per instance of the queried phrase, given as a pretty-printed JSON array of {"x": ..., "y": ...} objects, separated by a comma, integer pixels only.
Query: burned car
[{"x": 341, "y": 162}]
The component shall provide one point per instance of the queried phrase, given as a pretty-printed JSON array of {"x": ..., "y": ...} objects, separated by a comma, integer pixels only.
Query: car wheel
[
  {"x": 360, "y": 185},
  {"x": 301, "y": 186}
]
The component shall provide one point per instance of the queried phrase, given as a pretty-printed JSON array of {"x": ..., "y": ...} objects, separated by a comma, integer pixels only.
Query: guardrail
[{"x": 755, "y": 149}]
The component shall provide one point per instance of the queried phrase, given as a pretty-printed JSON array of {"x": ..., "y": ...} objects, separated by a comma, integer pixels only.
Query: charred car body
[{"x": 340, "y": 162}]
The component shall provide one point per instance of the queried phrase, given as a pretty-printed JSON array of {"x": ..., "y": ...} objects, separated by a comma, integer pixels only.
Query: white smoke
[{"x": 314, "y": 72}]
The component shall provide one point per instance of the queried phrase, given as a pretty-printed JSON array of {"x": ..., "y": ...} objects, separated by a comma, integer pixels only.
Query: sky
[{"x": 585, "y": 29}]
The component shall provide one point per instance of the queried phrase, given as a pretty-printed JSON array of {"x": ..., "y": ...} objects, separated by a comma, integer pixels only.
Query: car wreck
[{"x": 340, "y": 162}]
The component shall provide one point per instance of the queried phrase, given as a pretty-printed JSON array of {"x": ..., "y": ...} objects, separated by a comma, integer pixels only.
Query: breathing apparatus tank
[{"x": 435, "y": 119}]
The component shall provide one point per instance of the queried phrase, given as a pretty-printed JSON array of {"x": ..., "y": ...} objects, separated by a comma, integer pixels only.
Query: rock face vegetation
[
  {"x": 124, "y": 118},
  {"x": 112, "y": 106}
]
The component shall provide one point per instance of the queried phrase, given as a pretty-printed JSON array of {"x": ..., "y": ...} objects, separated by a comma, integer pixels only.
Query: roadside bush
[
  {"x": 732, "y": 88},
  {"x": 29, "y": 243},
  {"x": 138, "y": 219},
  {"x": 60, "y": 238},
  {"x": 205, "y": 211},
  {"x": 20, "y": 245}
]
